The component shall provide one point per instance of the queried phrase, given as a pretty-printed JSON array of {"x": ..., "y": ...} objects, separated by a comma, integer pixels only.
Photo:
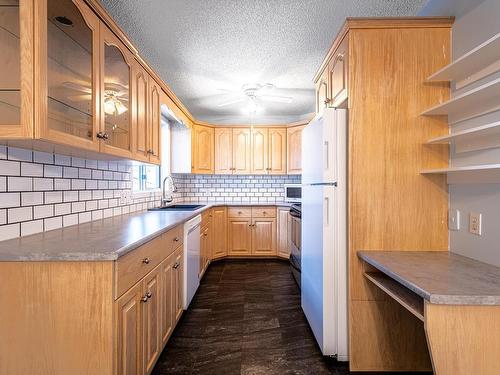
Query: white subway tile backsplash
[
  {"x": 19, "y": 184},
  {"x": 9, "y": 231},
  {"x": 69, "y": 220},
  {"x": 10, "y": 200},
  {"x": 10, "y": 168},
  {"x": 19, "y": 154},
  {"x": 43, "y": 157},
  {"x": 31, "y": 199},
  {"x": 39, "y": 191},
  {"x": 31, "y": 227},
  {"x": 53, "y": 171},
  {"x": 53, "y": 197},
  {"x": 43, "y": 184},
  {"x": 62, "y": 184},
  {"x": 41, "y": 212},
  {"x": 52, "y": 223},
  {"x": 31, "y": 169},
  {"x": 16, "y": 215}
]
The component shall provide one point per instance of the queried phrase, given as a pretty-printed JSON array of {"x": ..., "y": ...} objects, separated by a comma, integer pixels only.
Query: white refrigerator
[{"x": 324, "y": 230}]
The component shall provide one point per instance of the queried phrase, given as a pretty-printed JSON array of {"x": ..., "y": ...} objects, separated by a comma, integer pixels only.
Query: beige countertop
[
  {"x": 106, "y": 239},
  {"x": 440, "y": 277}
]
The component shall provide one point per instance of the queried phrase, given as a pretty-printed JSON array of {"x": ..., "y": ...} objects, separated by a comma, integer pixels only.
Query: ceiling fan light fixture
[
  {"x": 113, "y": 105},
  {"x": 120, "y": 108},
  {"x": 253, "y": 107}
]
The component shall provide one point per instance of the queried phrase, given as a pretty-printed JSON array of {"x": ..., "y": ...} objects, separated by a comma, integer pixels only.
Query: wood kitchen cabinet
[
  {"x": 260, "y": 151},
  {"x": 202, "y": 149},
  {"x": 251, "y": 231},
  {"x": 322, "y": 92},
  {"x": 139, "y": 112},
  {"x": 223, "y": 151},
  {"x": 242, "y": 151},
  {"x": 219, "y": 232},
  {"x": 283, "y": 230},
  {"x": 294, "y": 149},
  {"x": 116, "y": 77},
  {"x": 264, "y": 236},
  {"x": 239, "y": 236},
  {"x": 178, "y": 286},
  {"x": 90, "y": 94},
  {"x": 129, "y": 328},
  {"x": 154, "y": 122},
  {"x": 277, "y": 145},
  {"x": 337, "y": 74},
  {"x": 151, "y": 318},
  {"x": 167, "y": 297}
]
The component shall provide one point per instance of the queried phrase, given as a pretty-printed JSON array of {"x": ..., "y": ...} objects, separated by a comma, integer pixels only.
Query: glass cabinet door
[
  {"x": 72, "y": 73},
  {"x": 16, "y": 59},
  {"x": 116, "y": 78}
]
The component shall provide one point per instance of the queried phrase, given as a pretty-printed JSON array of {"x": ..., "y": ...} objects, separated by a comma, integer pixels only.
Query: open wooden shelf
[
  {"x": 408, "y": 299},
  {"x": 477, "y": 130},
  {"x": 479, "y": 101},
  {"x": 470, "y": 168},
  {"x": 475, "y": 64}
]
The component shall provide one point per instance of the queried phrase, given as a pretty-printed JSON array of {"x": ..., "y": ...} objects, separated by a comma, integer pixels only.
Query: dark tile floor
[{"x": 245, "y": 319}]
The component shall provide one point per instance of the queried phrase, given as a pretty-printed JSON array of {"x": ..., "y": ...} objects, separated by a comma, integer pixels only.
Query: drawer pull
[
  {"x": 176, "y": 239},
  {"x": 239, "y": 212},
  {"x": 146, "y": 260},
  {"x": 144, "y": 298},
  {"x": 176, "y": 265},
  {"x": 149, "y": 295},
  {"x": 205, "y": 234}
]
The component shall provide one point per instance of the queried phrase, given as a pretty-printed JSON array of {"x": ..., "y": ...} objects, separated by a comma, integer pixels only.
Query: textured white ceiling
[{"x": 201, "y": 46}]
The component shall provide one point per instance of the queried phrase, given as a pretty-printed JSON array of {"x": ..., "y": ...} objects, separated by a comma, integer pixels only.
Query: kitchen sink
[{"x": 178, "y": 207}]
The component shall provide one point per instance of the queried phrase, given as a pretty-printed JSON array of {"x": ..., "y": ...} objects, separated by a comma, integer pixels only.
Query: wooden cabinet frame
[{"x": 42, "y": 130}]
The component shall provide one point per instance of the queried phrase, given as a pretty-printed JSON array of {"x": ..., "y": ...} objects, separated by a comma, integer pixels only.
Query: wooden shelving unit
[
  {"x": 473, "y": 103},
  {"x": 471, "y": 132},
  {"x": 466, "y": 169},
  {"x": 475, "y": 64},
  {"x": 406, "y": 298}
]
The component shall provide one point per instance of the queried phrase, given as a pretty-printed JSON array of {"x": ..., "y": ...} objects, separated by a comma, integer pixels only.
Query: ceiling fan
[
  {"x": 256, "y": 93},
  {"x": 114, "y": 96}
]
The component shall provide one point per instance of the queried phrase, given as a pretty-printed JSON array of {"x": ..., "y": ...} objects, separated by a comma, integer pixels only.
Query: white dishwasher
[{"x": 191, "y": 258}]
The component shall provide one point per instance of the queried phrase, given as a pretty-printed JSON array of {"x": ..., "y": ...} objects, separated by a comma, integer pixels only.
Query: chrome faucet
[{"x": 172, "y": 190}]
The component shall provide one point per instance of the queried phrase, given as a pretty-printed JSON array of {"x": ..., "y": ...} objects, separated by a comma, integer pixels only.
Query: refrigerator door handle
[
  {"x": 327, "y": 211},
  {"x": 327, "y": 154}
]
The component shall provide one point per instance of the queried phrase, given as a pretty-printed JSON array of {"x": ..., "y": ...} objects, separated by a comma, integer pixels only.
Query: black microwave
[{"x": 293, "y": 193}]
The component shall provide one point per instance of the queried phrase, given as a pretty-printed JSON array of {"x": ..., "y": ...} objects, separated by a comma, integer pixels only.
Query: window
[{"x": 145, "y": 177}]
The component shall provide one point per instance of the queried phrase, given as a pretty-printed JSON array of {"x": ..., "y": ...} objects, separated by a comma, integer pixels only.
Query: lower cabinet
[
  {"x": 283, "y": 227},
  {"x": 264, "y": 236},
  {"x": 239, "y": 237},
  {"x": 219, "y": 232},
  {"x": 251, "y": 231},
  {"x": 128, "y": 312},
  {"x": 147, "y": 314}
]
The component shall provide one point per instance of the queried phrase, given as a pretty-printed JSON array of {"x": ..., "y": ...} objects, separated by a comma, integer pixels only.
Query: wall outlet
[
  {"x": 454, "y": 219},
  {"x": 475, "y": 223}
]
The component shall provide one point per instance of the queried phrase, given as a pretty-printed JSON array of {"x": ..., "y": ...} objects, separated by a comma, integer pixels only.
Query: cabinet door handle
[
  {"x": 149, "y": 295},
  {"x": 205, "y": 234},
  {"x": 144, "y": 298},
  {"x": 102, "y": 135},
  {"x": 327, "y": 101},
  {"x": 150, "y": 152},
  {"x": 176, "y": 265},
  {"x": 176, "y": 239},
  {"x": 146, "y": 260}
]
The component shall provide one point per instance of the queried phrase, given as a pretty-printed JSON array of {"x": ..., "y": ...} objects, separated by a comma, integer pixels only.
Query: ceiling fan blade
[
  {"x": 234, "y": 101},
  {"x": 77, "y": 87},
  {"x": 225, "y": 91},
  {"x": 80, "y": 98},
  {"x": 275, "y": 98}
]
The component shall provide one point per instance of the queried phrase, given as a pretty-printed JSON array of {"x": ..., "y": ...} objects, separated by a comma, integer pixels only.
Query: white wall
[{"x": 476, "y": 21}]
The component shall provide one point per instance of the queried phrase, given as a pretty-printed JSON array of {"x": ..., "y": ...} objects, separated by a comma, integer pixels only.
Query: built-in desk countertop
[{"x": 457, "y": 298}]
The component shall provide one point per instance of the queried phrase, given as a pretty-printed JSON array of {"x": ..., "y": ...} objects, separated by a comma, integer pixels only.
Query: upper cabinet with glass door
[
  {"x": 116, "y": 78},
  {"x": 71, "y": 109},
  {"x": 16, "y": 79}
]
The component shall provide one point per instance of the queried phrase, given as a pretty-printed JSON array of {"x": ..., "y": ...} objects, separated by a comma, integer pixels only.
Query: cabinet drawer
[
  {"x": 133, "y": 266},
  {"x": 239, "y": 212},
  {"x": 263, "y": 212},
  {"x": 173, "y": 239}
]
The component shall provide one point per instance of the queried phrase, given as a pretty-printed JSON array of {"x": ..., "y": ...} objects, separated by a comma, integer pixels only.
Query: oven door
[{"x": 295, "y": 241}]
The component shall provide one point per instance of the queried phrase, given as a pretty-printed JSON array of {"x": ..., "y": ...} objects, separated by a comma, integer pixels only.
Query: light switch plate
[
  {"x": 454, "y": 219},
  {"x": 475, "y": 223}
]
